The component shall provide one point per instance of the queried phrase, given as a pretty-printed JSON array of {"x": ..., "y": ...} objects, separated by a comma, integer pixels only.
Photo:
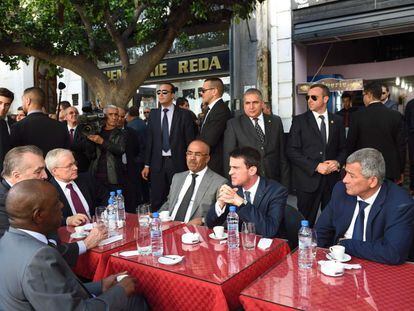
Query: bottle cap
[
  {"x": 119, "y": 191},
  {"x": 112, "y": 193},
  {"x": 232, "y": 208},
  {"x": 304, "y": 223},
  {"x": 155, "y": 215},
  {"x": 110, "y": 201}
]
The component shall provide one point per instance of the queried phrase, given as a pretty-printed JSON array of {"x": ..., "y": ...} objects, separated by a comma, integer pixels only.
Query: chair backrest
[{"x": 292, "y": 225}]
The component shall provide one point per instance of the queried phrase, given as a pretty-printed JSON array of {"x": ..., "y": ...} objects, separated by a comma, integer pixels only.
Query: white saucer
[
  {"x": 345, "y": 259},
  {"x": 75, "y": 235},
  {"x": 166, "y": 219},
  {"x": 170, "y": 260},
  {"x": 213, "y": 236},
  {"x": 189, "y": 242},
  {"x": 332, "y": 274}
]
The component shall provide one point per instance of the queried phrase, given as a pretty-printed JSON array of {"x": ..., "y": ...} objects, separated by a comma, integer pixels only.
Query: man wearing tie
[
  {"x": 78, "y": 193},
  {"x": 316, "y": 149},
  {"x": 372, "y": 217},
  {"x": 169, "y": 131},
  {"x": 194, "y": 191},
  {"x": 257, "y": 199},
  {"x": 6, "y": 99}
]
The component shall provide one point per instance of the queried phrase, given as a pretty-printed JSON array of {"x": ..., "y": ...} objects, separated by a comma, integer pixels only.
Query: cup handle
[{"x": 330, "y": 249}]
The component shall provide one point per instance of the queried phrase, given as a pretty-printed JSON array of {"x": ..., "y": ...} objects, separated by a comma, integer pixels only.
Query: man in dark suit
[
  {"x": 316, "y": 150},
  {"x": 47, "y": 281},
  {"x": 214, "y": 122},
  {"x": 386, "y": 98},
  {"x": 37, "y": 128},
  {"x": 371, "y": 217},
  {"x": 6, "y": 99},
  {"x": 78, "y": 193},
  {"x": 262, "y": 132},
  {"x": 257, "y": 199},
  {"x": 169, "y": 131},
  {"x": 380, "y": 128}
]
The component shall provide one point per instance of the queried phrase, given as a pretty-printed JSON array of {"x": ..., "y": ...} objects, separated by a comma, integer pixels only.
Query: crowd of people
[{"x": 348, "y": 164}]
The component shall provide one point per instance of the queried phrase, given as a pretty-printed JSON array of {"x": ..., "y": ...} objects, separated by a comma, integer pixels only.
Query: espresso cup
[
  {"x": 79, "y": 230},
  {"x": 164, "y": 215},
  {"x": 337, "y": 252},
  {"x": 218, "y": 231}
]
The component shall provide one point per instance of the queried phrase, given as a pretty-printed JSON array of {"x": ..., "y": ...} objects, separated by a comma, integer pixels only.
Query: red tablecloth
[
  {"x": 208, "y": 278},
  {"x": 92, "y": 264},
  {"x": 374, "y": 287}
]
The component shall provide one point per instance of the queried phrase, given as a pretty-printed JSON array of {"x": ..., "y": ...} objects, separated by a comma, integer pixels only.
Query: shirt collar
[
  {"x": 371, "y": 199},
  {"x": 38, "y": 236},
  {"x": 200, "y": 174},
  {"x": 260, "y": 118},
  {"x": 253, "y": 188},
  {"x": 72, "y": 128},
  {"x": 35, "y": 111},
  {"x": 211, "y": 105},
  {"x": 63, "y": 184},
  {"x": 325, "y": 114}
]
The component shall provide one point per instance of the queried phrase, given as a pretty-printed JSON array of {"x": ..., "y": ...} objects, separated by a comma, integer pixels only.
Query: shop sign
[
  {"x": 301, "y": 4},
  {"x": 334, "y": 85}
]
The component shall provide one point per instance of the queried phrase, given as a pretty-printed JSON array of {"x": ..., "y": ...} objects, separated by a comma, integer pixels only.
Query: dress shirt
[
  {"x": 169, "y": 117},
  {"x": 34, "y": 111},
  {"x": 72, "y": 128},
  {"x": 318, "y": 121},
  {"x": 260, "y": 121},
  {"x": 252, "y": 190},
  {"x": 7, "y": 123},
  {"x": 370, "y": 201},
  {"x": 66, "y": 191},
  {"x": 184, "y": 188}
]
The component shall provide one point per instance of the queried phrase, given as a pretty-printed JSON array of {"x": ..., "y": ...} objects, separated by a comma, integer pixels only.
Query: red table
[
  {"x": 208, "y": 278},
  {"x": 91, "y": 265},
  {"x": 374, "y": 287}
]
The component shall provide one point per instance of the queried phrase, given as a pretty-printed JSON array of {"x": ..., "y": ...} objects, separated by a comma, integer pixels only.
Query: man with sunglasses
[
  {"x": 316, "y": 150},
  {"x": 169, "y": 131},
  {"x": 386, "y": 98},
  {"x": 214, "y": 123}
]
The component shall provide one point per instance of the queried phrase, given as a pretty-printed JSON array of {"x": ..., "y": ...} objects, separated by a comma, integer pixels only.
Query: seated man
[
  {"x": 372, "y": 217},
  {"x": 258, "y": 200},
  {"x": 78, "y": 193},
  {"x": 194, "y": 191},
  {"x": 34, "y": 275}
]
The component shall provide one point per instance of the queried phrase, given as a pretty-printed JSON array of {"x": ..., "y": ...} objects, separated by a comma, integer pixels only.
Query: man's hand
[
  {"x": 196, "y": 221},
  {"x": 323, "y": 168},
  {"x": 145, "y": 172},
  {"x": 229, "y": 195},
  {"x": 333, "y": 165},
  {"x": 128, "y": 283},
  {"x": 95, "y": 236},
  {"x": 77, "y": 220},
  {"x": 110, "y": 281},
  {"x": 96, "y": 139}
]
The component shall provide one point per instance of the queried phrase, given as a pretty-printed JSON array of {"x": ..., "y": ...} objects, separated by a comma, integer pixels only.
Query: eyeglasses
[
  {"x": 69, "y": 166},
  {"x": 146, "y": 112},
  {"x": 196, "y": 154},
  {"x": 202, "y": 91},
  {"x": 163, "y": 92},
  {"x": 313, "y": 97}
]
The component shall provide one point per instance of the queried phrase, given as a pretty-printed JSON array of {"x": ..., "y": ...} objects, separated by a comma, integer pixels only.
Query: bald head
[{"x": 34, "y": 205}]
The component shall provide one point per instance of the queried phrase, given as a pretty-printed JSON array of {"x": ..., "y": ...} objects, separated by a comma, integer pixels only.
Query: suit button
[
  {"x": 262, "y": 148},
  {"x": 320, "y": 152}
]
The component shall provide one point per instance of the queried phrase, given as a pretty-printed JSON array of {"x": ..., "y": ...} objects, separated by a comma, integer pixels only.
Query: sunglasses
[
  {"x": 163, "y": 92},
  {"x": 383, "y": 93},
  {"x": 313, "y": 97},
  {"x": 202, "y": 91}
]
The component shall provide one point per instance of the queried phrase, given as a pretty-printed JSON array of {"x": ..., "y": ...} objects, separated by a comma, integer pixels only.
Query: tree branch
[
  {"x": 88, "y": 26},
  {"x": 132, "y": 26}
]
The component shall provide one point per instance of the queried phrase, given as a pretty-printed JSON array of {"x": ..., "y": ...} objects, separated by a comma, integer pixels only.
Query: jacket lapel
[
  {"x": 312, "y": 124},
  {"x": 175, "y": 120},
  {"x": 375, "y": 209},
  {"x": 331, "y": 127},
  {"x": 261, "y": 190},
  {"x": 176, "y": 191},
  {"x": 348, "y": 209},
  {"x": 201, "y": 191}
]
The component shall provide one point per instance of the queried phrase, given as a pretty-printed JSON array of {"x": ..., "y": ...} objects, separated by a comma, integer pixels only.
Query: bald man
[{"x": 48, "y": 282}]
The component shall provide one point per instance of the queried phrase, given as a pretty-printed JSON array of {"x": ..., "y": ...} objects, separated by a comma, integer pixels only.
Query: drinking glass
[
  {"x": 100, "y": 216},
  {"x": 248, "y": 235},
  {"x": 143, "y": 240},
  {"x": 314, "y": 243},
  {"x": 143, "y": 214}
]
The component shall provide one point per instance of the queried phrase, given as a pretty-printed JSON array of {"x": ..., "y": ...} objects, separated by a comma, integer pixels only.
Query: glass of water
[
  {"x": 248, "y": 235},
  {"x": 143, "y": 239},
  {"x": 314, "y": 243}
]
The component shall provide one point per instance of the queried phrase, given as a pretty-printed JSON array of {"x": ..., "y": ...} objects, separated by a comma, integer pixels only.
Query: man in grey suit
[
  {"x": 34, "y": 275},
  {"x": 194, "y": 191},
  {"x": 261, "y": 132}
]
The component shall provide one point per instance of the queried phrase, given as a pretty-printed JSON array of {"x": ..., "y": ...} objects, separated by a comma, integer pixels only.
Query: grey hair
[
  {"x": 105, "y": 110},
  {"x": 13, "y": 159},
  {"x": 372, "y": 163},
  {"x": 53, "y": 157}
]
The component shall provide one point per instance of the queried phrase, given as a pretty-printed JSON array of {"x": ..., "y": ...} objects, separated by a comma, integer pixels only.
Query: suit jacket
[
  {"x": 212, "y": 132},
  {"x": 266, "y": 212},
  {"x": 240, "y": 132},
  {"x": 390, "y": 226},
  {"x": 4, "y": 218},
  {"x": 391, "y": 104},
  {"x": 206, "y": 195},
  {"x": 39, "y": 130},
  {"x": 4, "y": 141},
  {"x": 94, "y": 195},
  {"x": 305, "y": 150},
  {"x": 181, "y": 134},
  {"x": 383, "y": 129},
  {"x": 82, "y": 149},
  {"x": 35, "y": 276}
]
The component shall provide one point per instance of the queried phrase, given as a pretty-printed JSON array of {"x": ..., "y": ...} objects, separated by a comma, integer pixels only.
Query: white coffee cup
[
  {"x": 337, "y": 252},
  {"x": 218, "y": 231},
  {"x": 164, "y": 215},
  {"x": 332, "y": 268},
  {"x": 79, "y": 230},
  {"x": 120, "y": 277}
]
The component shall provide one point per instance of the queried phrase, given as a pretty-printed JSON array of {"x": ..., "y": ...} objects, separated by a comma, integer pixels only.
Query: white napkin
[
  {"x": 110, "y": 240},
  {"x": 346, "y": 266},
  {"x": 129, "y": 253},
  {"x": 190, "y": 238},
  {"x": 264, "y": 243}
]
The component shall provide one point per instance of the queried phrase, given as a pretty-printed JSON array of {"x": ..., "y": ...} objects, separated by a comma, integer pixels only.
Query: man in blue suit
[
  {"x": 372, "y": 217},
  {"x": 257, "y": 199}
]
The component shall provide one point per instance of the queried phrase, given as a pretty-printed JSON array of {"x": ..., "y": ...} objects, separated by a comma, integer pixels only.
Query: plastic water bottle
[
  {"x": 156, "y": 236},
  {"x": 121, "y": 208},
  {"x": 305, "y": 245},
  {"x": 111, "y": 213},
  {"x": 233, "y": 239}
]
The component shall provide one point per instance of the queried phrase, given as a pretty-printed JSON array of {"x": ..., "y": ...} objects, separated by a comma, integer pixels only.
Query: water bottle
[
  {"x": 233, "y": 239},
  {"x": 111, "y": 213},
  {"x": 121, "y": 208},
  {"x": 156, "y": 236},
  {"x": 305, "y": 245}
]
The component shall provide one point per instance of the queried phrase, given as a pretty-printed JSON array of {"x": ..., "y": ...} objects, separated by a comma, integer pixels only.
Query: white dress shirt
[
  {"x": 319, "y": 121},
  {"x": 66, "y": 191},
  {"x": 184, "y": 188},
  {"x": 260, "y": 121},
  {"x": 170, "y": 113},
  {"x": 348, "y": 234}
]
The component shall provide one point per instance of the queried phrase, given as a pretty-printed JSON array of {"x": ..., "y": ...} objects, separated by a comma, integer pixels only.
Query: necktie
[
  {"x": 323, "y": 129},
  {"x": 51, "y": 244},
  {"x": 71, "y": 135},
  {"x": 205, "y": 116},
  {"x": 358, "y": 233},
  {"x": 165, "y": 132},
  {"x": 182, "y": 209},
  {"x": 77, "y": 203},
  {"x": 247, "y": 196},
  {"x": 259, "y": 131}
]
